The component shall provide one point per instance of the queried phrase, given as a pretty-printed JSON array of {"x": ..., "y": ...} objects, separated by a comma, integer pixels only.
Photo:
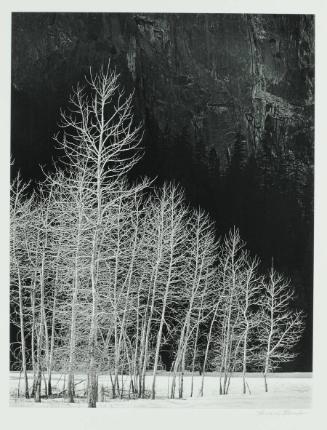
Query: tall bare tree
[
  {"x": 248, "y": 301},
  {"x": 280, "y": 326},
  {"x": 20, "y": 217},
  {"x": 199, "y": 277},
  {"x": 100, "y": 141},
  {"x": 169, "y": 222}
]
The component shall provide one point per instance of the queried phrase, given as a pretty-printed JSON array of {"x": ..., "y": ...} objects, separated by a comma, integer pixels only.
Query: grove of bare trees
[{"x": 107, "y": 274}]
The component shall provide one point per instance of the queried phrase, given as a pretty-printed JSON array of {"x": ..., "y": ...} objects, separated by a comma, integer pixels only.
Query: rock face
[
  {"x": 227, "y": 106},
  {"x": 197, "y": 78}
]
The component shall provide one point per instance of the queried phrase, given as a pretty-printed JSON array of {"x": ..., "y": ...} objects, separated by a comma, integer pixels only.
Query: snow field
[{"x": 286, "y": 391}]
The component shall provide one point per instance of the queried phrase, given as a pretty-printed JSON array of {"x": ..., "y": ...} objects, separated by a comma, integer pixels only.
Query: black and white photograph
[{"x": 162, "y": 179}]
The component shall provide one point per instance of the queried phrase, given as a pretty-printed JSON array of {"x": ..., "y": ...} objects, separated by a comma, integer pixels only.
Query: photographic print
[{"x": 161, "y": 210}]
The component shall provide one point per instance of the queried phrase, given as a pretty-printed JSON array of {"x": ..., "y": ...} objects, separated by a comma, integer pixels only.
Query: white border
[{"x": 121, "y": 419}]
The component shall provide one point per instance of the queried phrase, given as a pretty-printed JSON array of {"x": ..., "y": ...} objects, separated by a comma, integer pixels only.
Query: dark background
[{"x": 227, "y": 105}]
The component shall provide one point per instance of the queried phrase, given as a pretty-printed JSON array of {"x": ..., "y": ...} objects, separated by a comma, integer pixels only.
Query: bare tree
[
  {"x": 20, "y": 217},
  {"x": 231, "y": 266},
  {"x": 169, "y": 226},
  {"x": 235, "y": 315},
  {"x": 280, "y": 326},
  {"x": 248, "y": 300},
  {"x": 199, "y": 277},
  {"x": 99, "y": 140}
]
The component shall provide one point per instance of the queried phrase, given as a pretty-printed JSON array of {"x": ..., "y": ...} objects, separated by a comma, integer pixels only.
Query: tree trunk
[
  {"x": 195, "y": 349},
  {"x": 70, "y": 386},
  {"x": 181, "y": 384},
  {"x": 52, "y": 341},
  {"x": 156, "y": 358},
  {"x": 265, "y": 381},
  {"x": 244, "y": 367},
  {"x": 265, "y": 372},
  {"x": 32, "y": 339},
  {"x": 207, "y": 350},
  {"x": 92, "y": 388},
  {"x": 101, "y": 399},
  {"x": 176, "y": 366},
  {"x": 92, "y": 374},
  {"x": 37, "y": 393},
  {"x": 22, "y": 334}
]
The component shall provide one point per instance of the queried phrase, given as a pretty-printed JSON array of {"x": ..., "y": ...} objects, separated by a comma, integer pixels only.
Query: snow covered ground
[{"x": 286, "y": 391}]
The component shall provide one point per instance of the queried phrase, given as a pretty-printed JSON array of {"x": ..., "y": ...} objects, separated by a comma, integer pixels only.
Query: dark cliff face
[
  {"x": 227, "y": 107},
  {"x": 199, "y": 78}
]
